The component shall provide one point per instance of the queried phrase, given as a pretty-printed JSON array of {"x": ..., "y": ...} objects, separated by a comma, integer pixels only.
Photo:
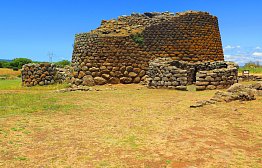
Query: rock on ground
[{"x": 235, "y": 92}]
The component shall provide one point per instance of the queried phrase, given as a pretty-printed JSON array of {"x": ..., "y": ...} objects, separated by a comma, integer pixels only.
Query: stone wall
[
  {"x": 250, "y": 77},
  {"x": 162, "y": 74},
  {"x": 40, "y": 74},
  {"x": 120, "y": 50},
  {"x": 115, "y": 59},
  {"x": 216, "y": 79},
  {"x": 189, "y": 36},
  {"x": 166, "y": 73},
  {"x": 193, "y": 68}
]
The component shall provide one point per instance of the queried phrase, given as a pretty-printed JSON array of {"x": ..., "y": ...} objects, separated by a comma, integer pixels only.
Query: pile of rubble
[{"x": 235, "y": 92}]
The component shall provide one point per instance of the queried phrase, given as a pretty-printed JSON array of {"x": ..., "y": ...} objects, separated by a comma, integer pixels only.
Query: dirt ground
[{"x": 132, "y": 126}]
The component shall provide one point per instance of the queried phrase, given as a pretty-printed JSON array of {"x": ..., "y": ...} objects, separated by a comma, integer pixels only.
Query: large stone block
[{"x": 99, "y": 81}]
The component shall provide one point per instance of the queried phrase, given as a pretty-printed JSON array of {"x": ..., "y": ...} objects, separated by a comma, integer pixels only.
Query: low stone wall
[
  {"x": 193, "y": 68},
  {"x": 250, "y": 78},
  {"x": 216, "y": 79},
  {"x": 166, "y": 73},
  {"x": 38, "y": 74},
  {"x": 163, "y": 75}
]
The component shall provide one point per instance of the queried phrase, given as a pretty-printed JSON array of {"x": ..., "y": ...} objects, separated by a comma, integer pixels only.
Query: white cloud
[
  {"x": 242, "y": 55},
  {"x": 258, "y": 54},
  {"x": 229, "y": 47}
]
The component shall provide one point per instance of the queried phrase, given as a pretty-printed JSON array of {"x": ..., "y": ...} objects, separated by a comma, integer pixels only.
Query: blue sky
[{"x": 32, "y": 28}]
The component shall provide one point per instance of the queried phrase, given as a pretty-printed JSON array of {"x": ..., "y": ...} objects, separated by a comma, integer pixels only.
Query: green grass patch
[
  {"x": 138, "y": 38},
  {"x": 130, "y": 141},
  {"x": 255, "y": 70},
  {"x": 23, "y": 103},
  {"x": 21, "y": 158},
  {"x": 17, "y": 85},
  {"x": 10, "y": 84}
]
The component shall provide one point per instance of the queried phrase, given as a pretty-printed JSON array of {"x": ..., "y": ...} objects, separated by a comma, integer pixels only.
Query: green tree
[
  {"x": 4, "y": 64},
  {"x": 252, "y": 65},
  {"x": 63, "y": 63},
  {"x": 19, "y": 62}
]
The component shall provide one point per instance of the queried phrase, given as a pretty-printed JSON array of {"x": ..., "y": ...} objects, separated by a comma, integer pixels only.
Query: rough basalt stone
[
  {"x": 99, "y": 81},
  {"x": 114, "y": 80},
  {"x": 132, "y": 74},
  {"x": 126, "y": 80},
  {"x": 88, "y": 80},
  {"x": 136, "y": 80},
  {"x": 200, "y": 88}
]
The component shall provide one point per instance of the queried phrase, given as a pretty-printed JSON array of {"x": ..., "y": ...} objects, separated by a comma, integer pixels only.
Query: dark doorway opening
[{"x": 194, "y": 75}]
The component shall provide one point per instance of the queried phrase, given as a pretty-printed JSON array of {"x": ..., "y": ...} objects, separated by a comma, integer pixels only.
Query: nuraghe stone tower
[{"x": 120, "y": 50}]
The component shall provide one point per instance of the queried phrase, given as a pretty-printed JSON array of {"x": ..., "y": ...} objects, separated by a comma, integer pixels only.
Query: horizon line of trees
[{"x": 18, "y": 63}]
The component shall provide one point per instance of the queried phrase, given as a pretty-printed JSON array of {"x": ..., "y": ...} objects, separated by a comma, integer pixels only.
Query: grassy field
[
  {"x": 254, "y": 70},
  {"x": 9, "y": 73},
  {"x": 125, "y": 126}
]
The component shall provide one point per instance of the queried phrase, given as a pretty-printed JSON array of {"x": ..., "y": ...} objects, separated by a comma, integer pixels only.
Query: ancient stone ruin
[
  {"x": 161, "y": 49},
  {"x": 235, "y": 92},
  {"x": 41, "y": 74},
  {"x": 167, "y": 73},
  {"x": 120, "y": 50}
]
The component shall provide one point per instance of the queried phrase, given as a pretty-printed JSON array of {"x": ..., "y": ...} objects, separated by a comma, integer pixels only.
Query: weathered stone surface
[
  {"x": 114, "y": 80},
  {"x": 112, "y": 48},
  {"x": 93, "y": 69},
  {"x": 106, "y": 76},
  {"x": 211, "y": 87},
  {"x": 88, "y": 80},
  {"x": 99, "y": 81},
  {"x": 136, "y": 80},
  {"x": 205, "y": 74},
  {"x": 77, "y": 81},
  {"x": 235, "y": 92},
  {"x": 126, "y": 80},
  {"x": 142, "y": 73},
  {"x": 137, "y": 70},
  {"x": 236, "y": 87},
  {"x": 112, "y": 73},
  {"x": 132, "y": 74},
  {"x": 123, "y": 69},
  {"x": 41, "y": 83},
  {"x": 129, "y": 68},
  {"x": 199, "y": 88},
  {"x": 81, "y": 74},
  {"x": 183, "y": 88},
  {"x": 43, "y": 74},
  {"x": 201, "y": 83}
]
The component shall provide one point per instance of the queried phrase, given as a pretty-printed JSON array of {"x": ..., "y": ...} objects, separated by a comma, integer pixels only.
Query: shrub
[
  {"x": 4, "y": 64},
  {"x": 138, "y": 38},
  {"x": 63, "y": 63},
  {"x": 252, "y": 65},
  {"x": 15, "y": 68},
  {"x": 19, "y": 62}
]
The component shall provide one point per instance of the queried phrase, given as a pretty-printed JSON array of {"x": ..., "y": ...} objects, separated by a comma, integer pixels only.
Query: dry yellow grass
[
  {"x": 9, "y": 72},
  {"x": 132, "y": 126}
]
